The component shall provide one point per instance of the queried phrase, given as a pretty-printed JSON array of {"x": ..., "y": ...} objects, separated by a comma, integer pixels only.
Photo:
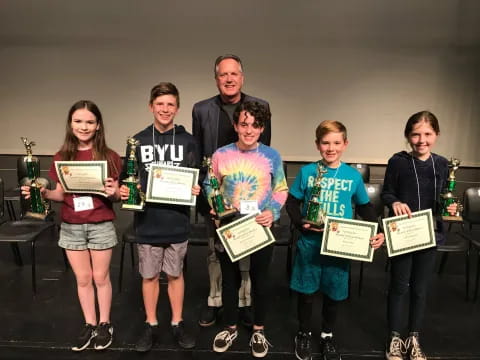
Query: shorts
[
  {"x": 153, "y": 259},
  {"x": 98, "y": 236}
]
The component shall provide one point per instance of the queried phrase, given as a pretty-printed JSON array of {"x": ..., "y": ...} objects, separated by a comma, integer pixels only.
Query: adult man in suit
[{"x": 212, "y": 126}]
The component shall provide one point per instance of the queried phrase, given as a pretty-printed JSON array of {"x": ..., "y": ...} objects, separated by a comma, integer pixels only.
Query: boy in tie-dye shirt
[{"x": 248, "y": 171}]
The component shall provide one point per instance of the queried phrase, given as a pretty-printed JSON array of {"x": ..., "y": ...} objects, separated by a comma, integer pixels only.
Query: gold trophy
[
  {"x": 39, "y": 208},
  {"x": 448, "y": 197},
  {"x": 315, "y": 213},
  {"x": 222, "y": 210},
  {"x": 136, "y": 197}
]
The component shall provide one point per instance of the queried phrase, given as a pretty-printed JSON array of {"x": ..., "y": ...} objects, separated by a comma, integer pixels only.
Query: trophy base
[
  {"x": 314, "y": 224},
  {"x": 133, "y": 207},
  {"x": 38, "y": 216},
  {"x": 226, "y": 214},
  {"x": 452, "y": 218}
]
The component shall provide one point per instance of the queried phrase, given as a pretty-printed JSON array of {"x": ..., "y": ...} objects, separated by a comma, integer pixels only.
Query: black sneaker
[
  {"x": 83, "y": 340},
  {"x": 246, "y": 316},
  {"x": 329, "y": 352},
  {"x": 224, "y": 339},
  {"x": 414, "y": 350},
  {"x": 183, "y": 339},
  {"x": 104, "y": 336},
  {"x": 395, "y": 348},
  {"x": 147, "y": 339},
  {"x": 209, "y": 316},
  {"x": 303, "y": 346},
  {"x": 259, "y": 344}
]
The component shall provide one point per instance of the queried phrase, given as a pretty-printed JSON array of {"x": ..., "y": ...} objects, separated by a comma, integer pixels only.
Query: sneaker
[
  {"x": 224, "y": 339},
  {"x": 246, "y": 316},
  {"x": 147, "y": 339},
  {"x": 183, "y": 339},
  {"x": 83, "y": 340},
  {"x": 396, "y": 348},
  {"x": 413, "y": 347},
  {"x": 104, "y": 336},
  {"x": 209, "y": 316},
  {"x": 303, "y": 346},
  {"x": 329, "y": 352},
  {"x": 259, "y": 344}
]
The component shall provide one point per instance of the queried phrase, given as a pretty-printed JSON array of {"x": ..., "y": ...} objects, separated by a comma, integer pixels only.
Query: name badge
[
  {"x": 83, "y": 203},
  {"x": 248, "y": 207}
]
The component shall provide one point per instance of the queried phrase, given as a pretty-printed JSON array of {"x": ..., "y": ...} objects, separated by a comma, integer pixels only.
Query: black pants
[
  {"x": 305, "y": 311},
  {"x": 409, "y": 271},
  {"x": 231, "y": 280}
]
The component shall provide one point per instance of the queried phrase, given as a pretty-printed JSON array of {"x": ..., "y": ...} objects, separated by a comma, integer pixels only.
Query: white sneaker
[{"x": 259, "y": 344}]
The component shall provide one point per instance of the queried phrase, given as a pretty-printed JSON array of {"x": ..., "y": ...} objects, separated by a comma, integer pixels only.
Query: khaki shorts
[
  {"x": 153, "y": 259},
  {"x": 99, "y": 236}
]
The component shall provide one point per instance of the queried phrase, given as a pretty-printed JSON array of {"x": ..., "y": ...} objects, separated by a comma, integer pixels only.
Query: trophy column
[
  {"x": 448, "y": 197},
  {"x": 136, "y": 198},
  {"x": 315, "y": 214},
  {"x": 38, "y": 207}
]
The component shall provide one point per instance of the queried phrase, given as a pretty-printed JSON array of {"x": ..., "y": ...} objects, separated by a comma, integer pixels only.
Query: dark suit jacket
[{"x": 205, "y": 119}]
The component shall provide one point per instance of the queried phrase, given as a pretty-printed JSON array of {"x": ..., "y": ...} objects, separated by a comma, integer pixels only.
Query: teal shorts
[{"x": 99, "y": 236}]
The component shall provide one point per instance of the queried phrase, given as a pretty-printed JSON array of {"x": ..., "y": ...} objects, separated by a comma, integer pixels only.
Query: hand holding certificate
[
  {"x": 348, "y": 239},
  {"x": 404, "y": 234},
  {"x": 171, "y": 185},
  {"x": 244, "y": 236},
  {"x": 82, "y": 176}
]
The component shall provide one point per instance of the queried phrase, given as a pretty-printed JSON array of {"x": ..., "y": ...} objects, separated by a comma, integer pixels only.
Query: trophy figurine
[
  {"x": 315, "y": 213},
  {"x": 136, "y": 197},
  {"x": 222, "y": 210},
  {"x": 448, "y": 197},
  {"x": 38, "y": 207}
]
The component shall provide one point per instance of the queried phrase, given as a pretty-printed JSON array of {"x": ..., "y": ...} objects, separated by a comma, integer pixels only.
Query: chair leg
[
  {"x": 443, "y": 261},
  {"x": 185, "y": 263},
  {"x": 360, "y": 279},
  {"x": 120, "y": 275},
  {"x": 132, "y": 255},
  {"x": 477, "y": 276},
  {"x": 467, "y": 274},
  {"x": 65, "y": 259},
  {"x": 34, "y": 281},
  {"x": 17, "y": 256},
  {"x": 289, "y": 262}
]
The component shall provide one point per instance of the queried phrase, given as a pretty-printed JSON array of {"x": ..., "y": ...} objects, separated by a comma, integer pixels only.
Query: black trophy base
[
  {"x": 227, "y": 214},
  {"x": 452, "y": 218},
  {"x": 314, "y": 224},
  {"x": 133, "y": 207}
]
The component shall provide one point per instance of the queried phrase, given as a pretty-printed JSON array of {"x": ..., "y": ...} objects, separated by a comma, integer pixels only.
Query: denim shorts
[
  {"x": 99, "y": 236},
  {"x": 153, "y": 259}
]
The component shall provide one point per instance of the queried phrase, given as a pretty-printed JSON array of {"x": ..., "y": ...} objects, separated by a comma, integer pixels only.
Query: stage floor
[{"x": 45, "y": 326}]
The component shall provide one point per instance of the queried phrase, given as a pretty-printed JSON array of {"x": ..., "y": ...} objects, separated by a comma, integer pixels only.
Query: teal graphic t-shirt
[{"x": 341, "y": 189}]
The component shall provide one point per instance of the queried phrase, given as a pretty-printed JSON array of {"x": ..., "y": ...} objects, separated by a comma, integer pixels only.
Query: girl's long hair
[{"x": 100, "y": 150}]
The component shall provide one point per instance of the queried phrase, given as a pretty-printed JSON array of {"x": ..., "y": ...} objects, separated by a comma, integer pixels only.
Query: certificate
[
  {"x": 404, "y": 235},
  {"x": 82, "y": 176},
  {"x": 348, "y": 238},
  {"x": 169, "y": 184},
  {"x": 244, "y": 236}
]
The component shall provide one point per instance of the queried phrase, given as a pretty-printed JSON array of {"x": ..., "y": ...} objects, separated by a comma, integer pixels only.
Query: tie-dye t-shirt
[
  {"x": 250, "y": 175},
  {"x": 312, "y": 272}
]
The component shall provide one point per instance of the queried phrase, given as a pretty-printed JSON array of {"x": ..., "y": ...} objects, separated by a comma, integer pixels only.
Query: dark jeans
[
  {"x": 231, "y": 280},
  {"x": 305, "y": 310},
  {"x": 409, "y": 271}
]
